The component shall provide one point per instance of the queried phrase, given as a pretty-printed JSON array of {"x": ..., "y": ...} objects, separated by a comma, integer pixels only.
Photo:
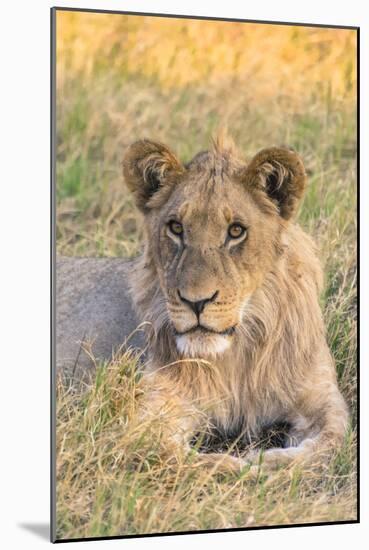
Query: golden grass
[
  {"x": 112, "y": 481},
  {"x": 121, "y": 79},
  {"x": 178, "y": 52}
]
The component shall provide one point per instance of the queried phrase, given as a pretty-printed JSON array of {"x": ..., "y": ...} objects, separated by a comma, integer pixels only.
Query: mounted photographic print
[{"x": 204, "y": 184}]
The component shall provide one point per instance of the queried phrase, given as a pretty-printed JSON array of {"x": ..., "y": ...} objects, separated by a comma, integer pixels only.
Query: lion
[{"x": 230, "y": 286}]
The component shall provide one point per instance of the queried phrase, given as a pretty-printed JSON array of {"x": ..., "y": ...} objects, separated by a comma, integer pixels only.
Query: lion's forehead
[{"x": 204, "y": 202}]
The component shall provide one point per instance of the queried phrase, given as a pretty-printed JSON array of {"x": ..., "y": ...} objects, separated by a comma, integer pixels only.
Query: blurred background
[{"x": 122, "y": 78}]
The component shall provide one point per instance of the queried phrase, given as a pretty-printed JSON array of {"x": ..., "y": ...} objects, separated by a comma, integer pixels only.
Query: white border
[{"x": 24, "y": 218}]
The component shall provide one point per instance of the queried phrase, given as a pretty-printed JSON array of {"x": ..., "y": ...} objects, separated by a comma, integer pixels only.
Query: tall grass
[
  {"x": 113, "y": 481},
  {"x": 123, "y": 78}
]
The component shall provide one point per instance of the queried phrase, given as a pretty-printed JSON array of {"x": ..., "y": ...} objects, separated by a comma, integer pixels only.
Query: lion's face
[
  {"x": 212, "y": 236},
  {"x": 211, "y": 245}
]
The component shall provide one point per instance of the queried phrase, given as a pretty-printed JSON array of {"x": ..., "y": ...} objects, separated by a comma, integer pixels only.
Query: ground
[{"x": 110, "y": 479}]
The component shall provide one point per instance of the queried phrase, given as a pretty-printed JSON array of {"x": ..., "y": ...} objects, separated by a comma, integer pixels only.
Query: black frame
[{"x": 53, "y": 12}]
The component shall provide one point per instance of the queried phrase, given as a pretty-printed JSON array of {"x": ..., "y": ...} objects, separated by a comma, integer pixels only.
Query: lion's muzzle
[{"x": 198, "y": 306}]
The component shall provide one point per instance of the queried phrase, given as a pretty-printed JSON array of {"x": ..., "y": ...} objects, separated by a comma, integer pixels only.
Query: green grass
[{"x": 111, "y": 479}]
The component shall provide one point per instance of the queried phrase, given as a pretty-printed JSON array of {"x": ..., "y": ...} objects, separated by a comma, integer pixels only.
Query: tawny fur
[{"x": 271, "y": 362}]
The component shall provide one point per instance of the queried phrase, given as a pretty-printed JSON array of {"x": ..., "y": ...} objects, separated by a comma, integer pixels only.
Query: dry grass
[
  {"x": 112, "y": 481},
  {"x": 116, "y": 83}
]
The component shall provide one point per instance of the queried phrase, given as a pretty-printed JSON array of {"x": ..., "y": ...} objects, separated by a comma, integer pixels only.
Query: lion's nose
[{"x": 199, "y": 305}]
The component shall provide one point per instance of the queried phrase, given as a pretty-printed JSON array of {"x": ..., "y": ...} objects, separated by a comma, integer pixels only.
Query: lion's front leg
[
  {"x": 317, "y": 430},
  {"x": 173, "y": 420},
  {"x": 169, "y": 418}
]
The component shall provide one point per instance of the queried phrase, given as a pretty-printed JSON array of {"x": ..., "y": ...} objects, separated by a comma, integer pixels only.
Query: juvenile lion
[{"x": 230, "y": 286}]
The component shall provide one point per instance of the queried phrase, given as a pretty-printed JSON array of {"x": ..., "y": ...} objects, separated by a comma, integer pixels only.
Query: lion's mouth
[
  {"x": 206, "y": 330},
  {"x": 202, "y": 341}
]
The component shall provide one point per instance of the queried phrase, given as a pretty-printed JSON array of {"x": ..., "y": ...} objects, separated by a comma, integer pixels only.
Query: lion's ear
[
  {"x": 281, "y": 174},
  {"x": 150, "y": 167}
]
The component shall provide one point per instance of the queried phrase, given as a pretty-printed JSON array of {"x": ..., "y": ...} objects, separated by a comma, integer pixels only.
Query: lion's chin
[{"x": 203, "y": 345}]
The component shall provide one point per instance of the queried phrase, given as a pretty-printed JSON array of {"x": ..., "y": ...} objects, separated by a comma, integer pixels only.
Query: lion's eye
[
  {"x": 176, "y": 228},
  {"x": 235, "y": 231}
]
